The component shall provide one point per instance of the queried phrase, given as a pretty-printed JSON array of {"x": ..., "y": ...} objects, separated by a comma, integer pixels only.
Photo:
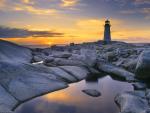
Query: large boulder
[
  {"x": 25, "y": 81},
  {"x": 116, "y": 71},
  {"x": 143, "y": 65},
  {"x": 14, "y": 53},
  {"x": 132, "y": 102},
  {"x": 86, "y": 55}
]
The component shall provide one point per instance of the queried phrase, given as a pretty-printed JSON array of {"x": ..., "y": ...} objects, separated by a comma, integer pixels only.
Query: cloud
[
  {"x": 69, "y": 3},
  {"x": 36, "y": 7},
  {"x": 139, "y": 2},
  {"x": 147, "y": 17},
  {"x": 145, "y": 11},
  {"x": 126, "y": 2},
  {"x": 96, "y": 23},
  {"x": 28, "y": 1},
  {"x": 2, "y": 3},
  {"x": 27, "y": 6},
  {"x": 33, "y": 10},
  {"x": 128, "y": 12},
  {"x": 6, "y": 32}
]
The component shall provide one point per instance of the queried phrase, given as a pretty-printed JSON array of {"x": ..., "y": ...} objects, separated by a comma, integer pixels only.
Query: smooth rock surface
[
  {"x": 78, "y": 72},
  {"x": 25, "y": 81},
  {"x": 7, "y": 101},
  {"x": 14, "y": 53},
  {"x": 131, "y": 103},
  {"x": 63, "y": 74}
]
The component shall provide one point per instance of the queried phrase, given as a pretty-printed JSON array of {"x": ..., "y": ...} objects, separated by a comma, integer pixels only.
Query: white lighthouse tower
[{"x": 107, "y": 32}]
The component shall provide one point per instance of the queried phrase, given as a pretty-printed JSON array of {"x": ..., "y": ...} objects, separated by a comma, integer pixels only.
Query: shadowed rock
[
  {"x": 139, "y": 86},
  {"x": 92, "y": 92},
  {"x": 143, "y": 65}
]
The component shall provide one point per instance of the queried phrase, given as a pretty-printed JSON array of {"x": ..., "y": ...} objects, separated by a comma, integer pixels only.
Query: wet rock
[
  {"x": 139, "y": 86},
  {"x": 92, "y": 92},
  {"x": 131, "y": 103},
  {"x": 143, "y": 65}
]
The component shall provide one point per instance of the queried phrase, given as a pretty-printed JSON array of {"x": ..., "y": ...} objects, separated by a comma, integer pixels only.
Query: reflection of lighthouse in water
[
  {"x": 107, "y": 32},
  {"x": 92, "y": 82}
]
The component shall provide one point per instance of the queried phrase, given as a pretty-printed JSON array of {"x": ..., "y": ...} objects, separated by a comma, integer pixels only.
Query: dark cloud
[{"x": 7, "y": 32}]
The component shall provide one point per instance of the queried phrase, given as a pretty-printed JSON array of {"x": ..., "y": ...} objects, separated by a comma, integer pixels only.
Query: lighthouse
[{"x": 107, "y": 32}]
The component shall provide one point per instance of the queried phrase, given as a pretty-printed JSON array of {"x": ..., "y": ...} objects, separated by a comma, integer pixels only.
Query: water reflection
[{"x": 73, "y": 100}]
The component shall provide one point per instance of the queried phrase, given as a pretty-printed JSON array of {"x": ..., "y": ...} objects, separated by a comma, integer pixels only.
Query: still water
[{"x": 73, "y": 100}]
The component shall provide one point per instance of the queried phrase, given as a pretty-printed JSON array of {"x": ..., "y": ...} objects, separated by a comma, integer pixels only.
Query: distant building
[{"x": 107, "y": 32}]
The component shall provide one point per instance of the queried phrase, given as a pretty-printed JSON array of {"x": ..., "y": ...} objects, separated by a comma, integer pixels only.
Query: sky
[{"x": 50, "y": 22}]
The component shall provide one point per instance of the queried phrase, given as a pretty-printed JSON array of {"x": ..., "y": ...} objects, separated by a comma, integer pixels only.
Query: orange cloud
[
  {"x": 34, "y": 10},
  {"x": 2, "y": 3},
  {"x": 28, "y": 1},
  {"x": 69, "y": 3},
  {"x": 96, "y": 23}
]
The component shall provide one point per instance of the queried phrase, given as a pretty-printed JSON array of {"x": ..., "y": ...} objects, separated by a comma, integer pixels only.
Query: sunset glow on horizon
[{"x": 49, "y": 22}]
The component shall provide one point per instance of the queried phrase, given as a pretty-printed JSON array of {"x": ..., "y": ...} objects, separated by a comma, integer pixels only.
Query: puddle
[{"x": 73, "y": 100}]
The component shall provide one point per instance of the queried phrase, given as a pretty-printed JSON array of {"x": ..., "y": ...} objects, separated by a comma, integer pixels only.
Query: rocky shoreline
[{"x": 27, "y": 73}]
